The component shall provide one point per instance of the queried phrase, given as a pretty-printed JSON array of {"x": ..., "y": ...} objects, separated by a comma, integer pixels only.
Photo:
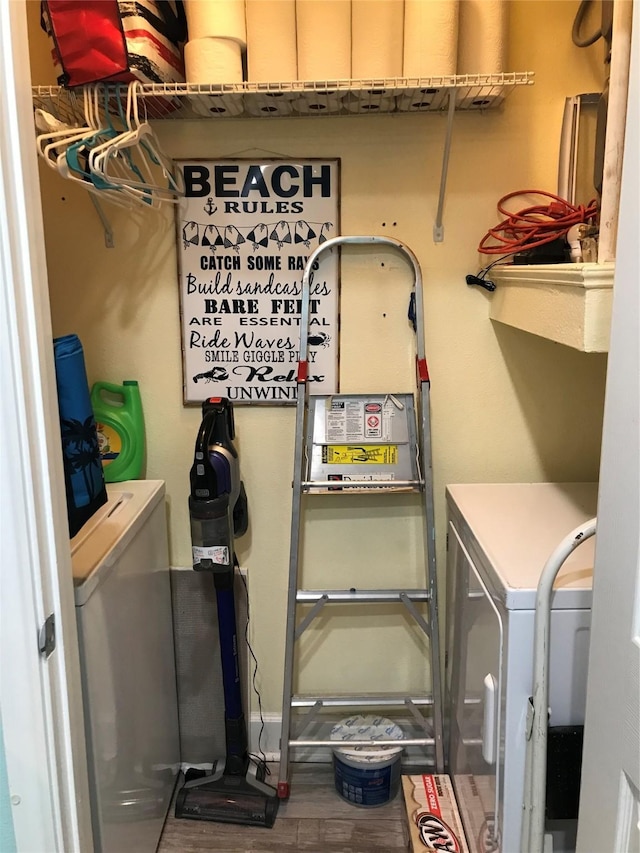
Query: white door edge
[
  {"x": 40, "y": 699},
  {"x": 609, "y": 814}
]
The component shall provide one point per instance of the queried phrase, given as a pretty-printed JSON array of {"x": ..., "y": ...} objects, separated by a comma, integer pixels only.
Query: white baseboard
[{"x": 271, "y": 741}]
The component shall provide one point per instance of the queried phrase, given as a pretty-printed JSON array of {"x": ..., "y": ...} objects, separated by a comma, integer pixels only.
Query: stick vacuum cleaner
[{"x": 235, "y": 791}]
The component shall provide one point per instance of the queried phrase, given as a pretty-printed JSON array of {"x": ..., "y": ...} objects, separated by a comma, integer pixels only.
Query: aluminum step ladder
[{"x": 363, "y": 443}]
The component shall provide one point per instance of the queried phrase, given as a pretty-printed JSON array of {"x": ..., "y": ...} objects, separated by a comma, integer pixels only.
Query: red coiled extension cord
[{"x": 536, "y": 225}]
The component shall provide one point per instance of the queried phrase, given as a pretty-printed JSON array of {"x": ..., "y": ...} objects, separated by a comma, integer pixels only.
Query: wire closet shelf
[{"x": 180, "y": 101}]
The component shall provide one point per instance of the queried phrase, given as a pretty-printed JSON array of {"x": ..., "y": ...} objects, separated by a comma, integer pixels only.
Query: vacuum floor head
[{"x": 230, "y": 799}]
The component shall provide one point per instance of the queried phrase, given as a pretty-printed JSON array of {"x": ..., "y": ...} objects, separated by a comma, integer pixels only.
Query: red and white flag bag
[{"x": 116, "y": 41}]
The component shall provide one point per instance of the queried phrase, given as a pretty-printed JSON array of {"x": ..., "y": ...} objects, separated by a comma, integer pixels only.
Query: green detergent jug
[{"x": 120, "y": 424}]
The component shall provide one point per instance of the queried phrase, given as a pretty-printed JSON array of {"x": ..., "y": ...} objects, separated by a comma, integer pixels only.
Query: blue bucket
[{"x": 367, "y": 776}]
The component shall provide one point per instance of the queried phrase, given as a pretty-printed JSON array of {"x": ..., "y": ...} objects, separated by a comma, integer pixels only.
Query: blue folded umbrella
[{"x": 83, "y": 474}]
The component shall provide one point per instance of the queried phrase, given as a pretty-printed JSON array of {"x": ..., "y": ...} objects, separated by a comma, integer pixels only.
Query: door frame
[{"x": 40, "y": 698}]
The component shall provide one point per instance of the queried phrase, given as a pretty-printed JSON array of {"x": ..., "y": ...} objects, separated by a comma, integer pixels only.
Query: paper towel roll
[
  {"x": 480, "y": 97},
  {"x": 482, "y": 46},
  {"x": 323, "y": 30},
  {"x": 369, "y": 102},
  {"x": 420, "y": 100},
  {"x": 276, "y": 95},
  {"x": 430, "y": 38},
  {"x": 482, "y": 36},
  {"x": 213, "y": 60},
  {"x": 216, "y": 19},
  {"x": 271, "y": 40},
  {"x": 264, "y": 106},
  {"x": 376, "y": 38},
  {"x": 217, "y": 105},
  {"x": 318, "y": 103}
]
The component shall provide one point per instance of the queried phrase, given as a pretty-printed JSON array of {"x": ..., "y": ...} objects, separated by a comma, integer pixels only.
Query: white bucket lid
[{"x": 367, "y": 727}]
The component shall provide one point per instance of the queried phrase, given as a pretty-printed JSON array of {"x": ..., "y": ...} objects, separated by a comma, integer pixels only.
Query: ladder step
[
  {"x": 367, "y": 485},
  {"x": 371, "y": 596},
  {"x": 368, "y": 700}
]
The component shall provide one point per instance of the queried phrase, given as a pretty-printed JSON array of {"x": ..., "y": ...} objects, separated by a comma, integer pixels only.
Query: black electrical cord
[
  {"x": 481, "y": 278},
  {"x": 262, "y": 760},
  {"x": 577, "y": 23}
]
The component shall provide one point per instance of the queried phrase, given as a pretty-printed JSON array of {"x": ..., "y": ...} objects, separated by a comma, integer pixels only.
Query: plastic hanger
[
  {"x": 125, "y": 175},
  {"x": 82, "y": 153},
  {"x": 52, "y": 142},
  {"x": 103, "y": 137},
  {"x": 141, "y": 137},
  {"x": 125, "y": 166},
  {"x": 68, "y": 160}
]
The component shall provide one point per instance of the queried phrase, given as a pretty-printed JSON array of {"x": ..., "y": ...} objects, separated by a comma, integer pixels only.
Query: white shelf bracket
[
  {"x": 438, "y": 228},
  {"x": 108, "y": 233}
]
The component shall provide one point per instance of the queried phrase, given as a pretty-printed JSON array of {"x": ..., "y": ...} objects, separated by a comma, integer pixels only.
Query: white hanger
[
  {"x": 143, "y": 139},
  {"x": 130, "y": 155},
  {"x": 61, "y": 148},
  {"x": 49, "y": 141},
  {"x": 109, "y": 133},
  {"x": 127, "y": 176}
]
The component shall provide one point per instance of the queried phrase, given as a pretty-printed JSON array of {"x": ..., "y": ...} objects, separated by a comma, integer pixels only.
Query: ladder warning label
[
  {"x": 358, "y": 420},
  {"x": 350, "y": 454}
]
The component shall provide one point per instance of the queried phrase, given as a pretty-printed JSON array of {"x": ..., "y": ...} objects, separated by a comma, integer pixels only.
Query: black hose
[{"x": 575, "y": 32}]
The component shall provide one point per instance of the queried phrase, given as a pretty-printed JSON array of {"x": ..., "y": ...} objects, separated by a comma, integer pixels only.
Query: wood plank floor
[{"x": 314, "y": 819}]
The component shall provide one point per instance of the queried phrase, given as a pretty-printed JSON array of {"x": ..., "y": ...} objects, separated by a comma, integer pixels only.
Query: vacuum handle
[
  {"x": 203, "y": 480},
  {"x": 223, "y": 429}
]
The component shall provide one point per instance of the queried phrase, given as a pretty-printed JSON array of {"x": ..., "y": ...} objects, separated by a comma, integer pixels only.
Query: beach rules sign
[{"x": 246, "y": 229}]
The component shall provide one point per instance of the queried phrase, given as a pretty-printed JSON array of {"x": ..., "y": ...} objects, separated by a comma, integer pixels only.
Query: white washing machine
[
  {"x": 123, "y": 606},
  {"x": 499, "y": 539}
]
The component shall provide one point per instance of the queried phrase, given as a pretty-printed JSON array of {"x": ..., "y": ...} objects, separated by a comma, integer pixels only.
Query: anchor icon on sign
[{"x": 210, "y": 207}]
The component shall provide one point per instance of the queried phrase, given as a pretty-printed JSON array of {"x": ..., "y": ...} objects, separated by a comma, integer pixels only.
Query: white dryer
[
  {"x": 123, "y": 607},
  {"x": 499, "y": 539}
]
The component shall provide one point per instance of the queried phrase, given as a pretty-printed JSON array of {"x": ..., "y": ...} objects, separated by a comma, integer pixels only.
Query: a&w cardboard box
[{"x": 432, "y": 815}]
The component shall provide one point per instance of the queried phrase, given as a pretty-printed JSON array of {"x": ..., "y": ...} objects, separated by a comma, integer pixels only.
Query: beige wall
[{"x": 506, "y": 406}]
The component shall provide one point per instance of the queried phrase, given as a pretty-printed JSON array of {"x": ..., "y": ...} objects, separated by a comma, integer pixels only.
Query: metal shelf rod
[
  {"x": 418, "y": 741},
  {"x": 359, "y": 701},
  {"x": 438, "y": 227},
  {"x": 367, "y": 701},
  {"x": 370, "y": 596}
]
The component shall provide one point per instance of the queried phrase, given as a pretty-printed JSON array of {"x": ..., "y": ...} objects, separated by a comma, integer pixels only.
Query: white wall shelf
[
  {"x": 566, "y": 303},
  {"x": 171, "y": 101},
  {"x": 304, "y": 99}
]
